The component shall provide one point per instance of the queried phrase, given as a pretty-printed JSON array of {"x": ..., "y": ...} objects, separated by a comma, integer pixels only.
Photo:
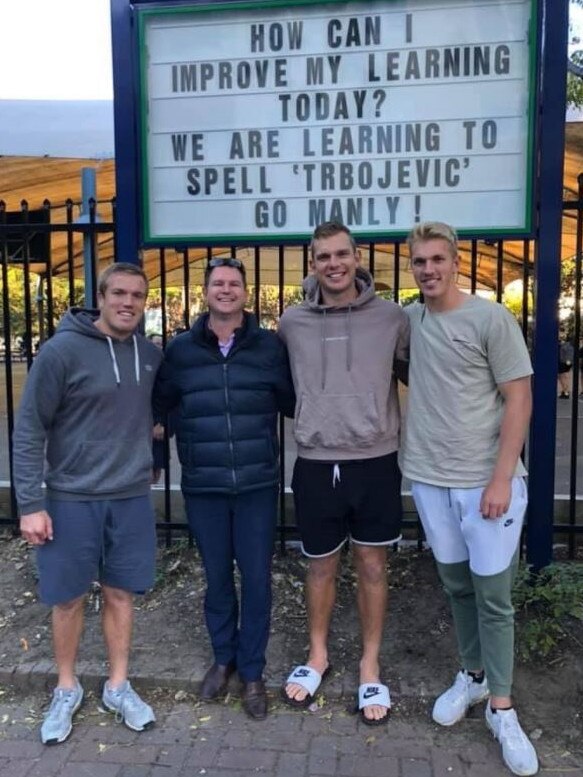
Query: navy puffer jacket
[{"x": 226, "y": 418}]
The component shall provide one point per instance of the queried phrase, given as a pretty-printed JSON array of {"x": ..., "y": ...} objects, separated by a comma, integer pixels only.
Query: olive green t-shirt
[{"x": 454, "y": 407}]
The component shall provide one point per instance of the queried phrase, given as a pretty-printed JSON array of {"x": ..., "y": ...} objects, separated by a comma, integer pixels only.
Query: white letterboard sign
[{"x": 261, "y": 120}]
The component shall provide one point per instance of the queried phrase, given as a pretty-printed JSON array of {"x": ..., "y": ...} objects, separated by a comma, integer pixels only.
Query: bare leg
[
  {"x": 320, "y": 598},
  {"x": 118, "y": 619},
  {"x": 371, "y": 567},
  {"x": 67, "y": 628},
  {"x": 565, "y": 382},
  {"x": 497, "y": 702}
]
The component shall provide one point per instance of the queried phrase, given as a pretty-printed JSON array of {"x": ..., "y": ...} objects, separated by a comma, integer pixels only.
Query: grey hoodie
[
  {"x": 87, "y": 399},
  {"x": 342, "y": 366}
]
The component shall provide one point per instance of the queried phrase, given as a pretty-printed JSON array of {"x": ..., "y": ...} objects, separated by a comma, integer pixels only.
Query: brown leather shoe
[
  {"x": 215, "y": 681},
  {"x": 255, "y": 699}
]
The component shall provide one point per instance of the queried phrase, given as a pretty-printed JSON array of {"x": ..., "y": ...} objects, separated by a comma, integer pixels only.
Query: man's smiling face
[
  {"x": 435, "y": 265},
  {"x": 121, "y": 306},
  {"x": 334, "y": 262},
  {"x": 225, "y": 293}
]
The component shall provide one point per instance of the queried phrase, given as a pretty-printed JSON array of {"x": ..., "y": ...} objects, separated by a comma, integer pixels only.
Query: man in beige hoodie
[{"x": 343, "y": 343}]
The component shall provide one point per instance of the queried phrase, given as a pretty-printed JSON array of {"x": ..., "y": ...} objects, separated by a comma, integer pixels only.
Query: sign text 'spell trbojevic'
[{"x": 259, "y": 124}]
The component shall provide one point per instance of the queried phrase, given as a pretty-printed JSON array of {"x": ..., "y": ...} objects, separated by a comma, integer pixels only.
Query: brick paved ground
[{"x": 217, "y": 740}]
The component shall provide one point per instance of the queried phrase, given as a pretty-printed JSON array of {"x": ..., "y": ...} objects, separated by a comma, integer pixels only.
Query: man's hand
[
  {"x": 155, "y": 475},
  {"x": 36, "y": 528},
  {"x": 496, "y": 497},
  {"x": 158, "y": 432}
]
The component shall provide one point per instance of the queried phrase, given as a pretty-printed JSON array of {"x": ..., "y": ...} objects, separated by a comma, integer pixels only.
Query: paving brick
[
  {"x": 363, "y": 745},
  {"x": 237, "y": 738},
  {"x": 51, "y": 761},
  {"x": 365, "y": 766},
  {"x": 324, "y": 745},
  {"x": 173, "y": 755},
  {"x": 90, "y": 769},
  {"x": 415, "y": 767},
  {"x": 285, "y": 718},
  {"x": 241, "y": 758},
  {"x": 285, "y": 745},
  {"x": 339, "y": 722},
  {"x": 486, "y": 770},
  {"x": 15, "y": 768},
  {"x": 405, "y": 750},
  {"x": 202, "y": 755},
  {"x": 21, "y": 750},
  {"x": 114, "y": 753},
  {"x": 110, "y": 731},
  {"x": 322, "y": 764},
  {"x": 291, "y": 764},
  {"x": 134, "y": 771},
  {"x": 281, "y": 739},
  {"x": 446, "y": 764}
]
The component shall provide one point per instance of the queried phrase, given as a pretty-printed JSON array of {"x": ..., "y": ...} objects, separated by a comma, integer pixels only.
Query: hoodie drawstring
[
  {"x": 114, "y": 360},
  {"x": 323, "y": 347},
  {"x": 136, "y": 359},
  {"x": 349, "y": 339}
]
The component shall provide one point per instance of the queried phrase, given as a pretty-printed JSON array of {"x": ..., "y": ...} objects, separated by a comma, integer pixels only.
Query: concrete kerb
[{"x": 41, "y": 677}]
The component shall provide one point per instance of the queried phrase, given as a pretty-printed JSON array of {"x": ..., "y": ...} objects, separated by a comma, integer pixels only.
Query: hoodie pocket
[{"x": 337, "y": 421}]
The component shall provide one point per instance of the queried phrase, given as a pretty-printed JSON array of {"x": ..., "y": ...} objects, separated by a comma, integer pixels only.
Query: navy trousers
[{"x": 239, "y": 529}]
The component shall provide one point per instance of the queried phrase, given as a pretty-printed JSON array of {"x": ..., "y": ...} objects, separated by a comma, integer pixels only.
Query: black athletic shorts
[{"x": 358, "y": 500}]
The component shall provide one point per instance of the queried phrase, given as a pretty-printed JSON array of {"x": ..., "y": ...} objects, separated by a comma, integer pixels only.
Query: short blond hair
[{"x": 432, "y": 230}]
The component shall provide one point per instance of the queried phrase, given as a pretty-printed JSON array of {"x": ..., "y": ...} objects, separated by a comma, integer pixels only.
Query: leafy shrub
[{"x": 546, "y": 604}]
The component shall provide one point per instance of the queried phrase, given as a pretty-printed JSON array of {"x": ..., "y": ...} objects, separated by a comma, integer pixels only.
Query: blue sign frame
[{"x": 549, "y": 144}]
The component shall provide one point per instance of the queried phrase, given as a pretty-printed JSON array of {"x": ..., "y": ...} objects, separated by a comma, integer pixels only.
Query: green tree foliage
[
  {"x": 38, "y": 303},
  {"x": 574, "y": 83}
]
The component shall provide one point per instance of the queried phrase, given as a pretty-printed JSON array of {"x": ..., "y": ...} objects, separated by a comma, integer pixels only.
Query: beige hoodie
[{"x": 342, "y": 366}]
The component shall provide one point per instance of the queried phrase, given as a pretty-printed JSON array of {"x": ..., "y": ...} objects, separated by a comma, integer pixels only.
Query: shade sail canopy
[{"x": 50, "y": 182}]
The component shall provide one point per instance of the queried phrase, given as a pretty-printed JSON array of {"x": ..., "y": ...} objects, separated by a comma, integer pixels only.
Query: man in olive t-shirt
[{"x": 468, "y": 411}]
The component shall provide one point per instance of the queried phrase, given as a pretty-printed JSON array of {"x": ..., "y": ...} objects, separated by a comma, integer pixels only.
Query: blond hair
[{"x": 432, "y": 230}]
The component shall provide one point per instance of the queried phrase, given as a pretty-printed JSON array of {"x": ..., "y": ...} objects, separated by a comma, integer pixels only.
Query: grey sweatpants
[{"x": 484, "y": 620}]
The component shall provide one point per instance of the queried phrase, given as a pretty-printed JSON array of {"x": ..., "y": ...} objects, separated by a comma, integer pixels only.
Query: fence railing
[{"x": 46, "y": 254}]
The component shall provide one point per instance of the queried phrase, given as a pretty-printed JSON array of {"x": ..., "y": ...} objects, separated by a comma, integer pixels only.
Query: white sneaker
[
  {"x": 517, "y": 751},
  {"x": 453, "y": 704}
]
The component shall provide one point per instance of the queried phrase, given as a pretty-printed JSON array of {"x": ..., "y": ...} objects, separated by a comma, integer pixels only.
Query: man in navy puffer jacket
[{"x": 228, "y": 379}]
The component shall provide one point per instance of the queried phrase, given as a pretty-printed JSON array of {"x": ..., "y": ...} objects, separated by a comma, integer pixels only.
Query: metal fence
[{"x": 47, "y": 254}]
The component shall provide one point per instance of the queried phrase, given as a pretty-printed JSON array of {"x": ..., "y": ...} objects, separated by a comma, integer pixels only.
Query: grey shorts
[{"x": 112, "y": 541}]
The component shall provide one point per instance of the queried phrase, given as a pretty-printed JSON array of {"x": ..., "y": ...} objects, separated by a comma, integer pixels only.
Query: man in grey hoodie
[
  {"x": 86, "y": 414},
  {"x": 343, "y": 343}
]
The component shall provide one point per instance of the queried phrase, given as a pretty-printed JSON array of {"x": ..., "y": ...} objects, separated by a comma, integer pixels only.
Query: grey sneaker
[
  {"x": 128, "y": 707},
  {"x": 517, "y": 751},
  {"x": 58, "y": 720},
  {"x": 454, "y": 703}
]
